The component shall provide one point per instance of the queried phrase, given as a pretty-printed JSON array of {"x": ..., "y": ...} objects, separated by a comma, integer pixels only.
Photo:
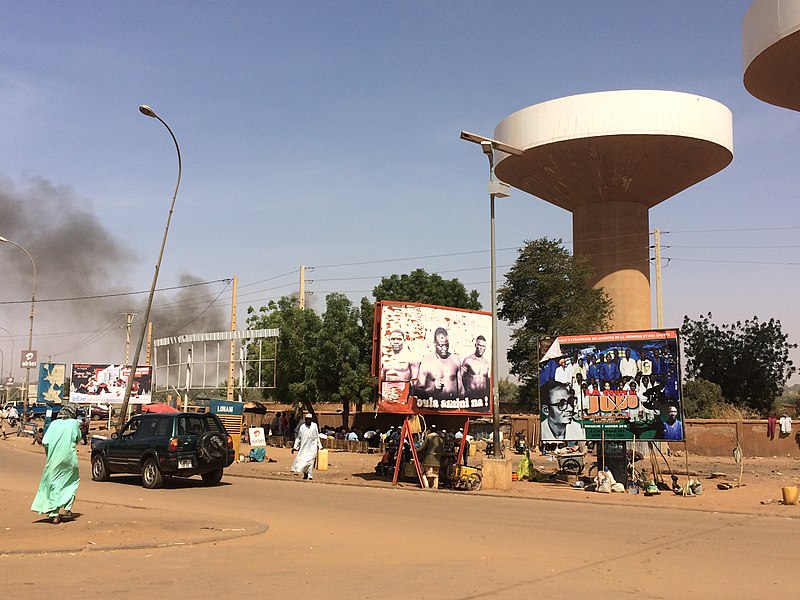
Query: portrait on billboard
[
  {"x": 615, "y": 386},
  {"x": 106, "y": 383},
  {"x": 433, "y": 359}
]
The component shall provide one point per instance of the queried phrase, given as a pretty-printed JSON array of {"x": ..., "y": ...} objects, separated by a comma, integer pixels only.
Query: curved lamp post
[
  {"x": 149, "y": 112},
  {"x": 30, "y": 331},
  {"x": 501, "y": 190}
]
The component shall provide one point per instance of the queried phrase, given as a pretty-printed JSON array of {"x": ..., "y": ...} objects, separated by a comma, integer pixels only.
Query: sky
[{"x": 326, "y": 134}]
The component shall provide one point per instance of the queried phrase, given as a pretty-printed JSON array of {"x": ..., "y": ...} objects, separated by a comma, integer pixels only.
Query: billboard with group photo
[
  {"x": 432, "y": 359},
  {"x": 613, "y": 386},
  {"x": 106, "y": 383}
]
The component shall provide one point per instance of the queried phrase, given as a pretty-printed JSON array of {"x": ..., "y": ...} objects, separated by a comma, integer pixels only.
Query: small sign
[
  {"x": 257, "y": 439},
  {"x": 28, "y": 359},
  {"x": 9, "y": 381}
]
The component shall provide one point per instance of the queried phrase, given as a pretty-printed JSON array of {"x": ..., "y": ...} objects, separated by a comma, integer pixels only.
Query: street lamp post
[
  {"x": 30, "y": 330},
  {"x": 499, "y": 190},
  {"x": 149, "y": 112}
]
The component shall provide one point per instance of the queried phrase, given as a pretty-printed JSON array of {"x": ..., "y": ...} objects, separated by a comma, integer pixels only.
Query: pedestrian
[
  {"x": 60, "y": 476},
  {"x": 83, "y": 423},
  {"x": 431, "y": 453},
  {"x": 306, "y": 444}
]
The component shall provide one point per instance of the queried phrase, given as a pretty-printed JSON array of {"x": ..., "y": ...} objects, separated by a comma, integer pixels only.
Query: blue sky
[{"x": 326, "y": 133}]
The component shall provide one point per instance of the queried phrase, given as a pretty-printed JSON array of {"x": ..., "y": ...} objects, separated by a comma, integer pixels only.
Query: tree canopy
[
  {"x": 426, "y": 288},
  {"x": 547, "y": 292},
  {"x": 749, "y": 360}
]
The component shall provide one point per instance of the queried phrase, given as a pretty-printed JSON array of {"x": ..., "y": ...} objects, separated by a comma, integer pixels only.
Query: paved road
[{"x": 333, "y": 541}]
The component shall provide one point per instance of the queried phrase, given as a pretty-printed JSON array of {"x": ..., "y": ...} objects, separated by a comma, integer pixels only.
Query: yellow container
[
  {"x": 790, "y": 495},
  {"x": 322, "y": 460},
  {"x": 473, "y": 449}
]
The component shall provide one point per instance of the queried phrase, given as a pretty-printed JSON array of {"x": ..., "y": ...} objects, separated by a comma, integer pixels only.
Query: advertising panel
[
  {"x": 92, "y": 383},
  {"x": 52, "y": 378},
  {"x": 432, "y": 359},
  {"x": 613, "y": 386}
]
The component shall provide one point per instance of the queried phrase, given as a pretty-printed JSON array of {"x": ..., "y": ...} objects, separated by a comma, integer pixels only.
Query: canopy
[{"x": 159, "y": 408}]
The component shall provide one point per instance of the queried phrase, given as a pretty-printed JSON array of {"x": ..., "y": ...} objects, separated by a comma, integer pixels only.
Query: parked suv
[{"x": 159, "y": 445}]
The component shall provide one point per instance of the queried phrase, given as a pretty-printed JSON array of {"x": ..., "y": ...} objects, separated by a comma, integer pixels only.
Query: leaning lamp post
[
  {"x": 149, "y": 112},
  {"x": 499, "y": 190},
  {"x": 30, "y": 330}
]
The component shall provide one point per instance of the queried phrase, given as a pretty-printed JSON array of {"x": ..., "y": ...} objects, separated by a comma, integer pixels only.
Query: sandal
[{"x": 56, "y": 520}]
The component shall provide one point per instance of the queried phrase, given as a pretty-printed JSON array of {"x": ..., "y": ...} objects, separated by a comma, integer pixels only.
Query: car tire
[
  {"x": 211, "y": 446},
  {"x": 151, "y": 475},
  {"x": 213, "y": 477},
  {"x": 99, "y": 468}
]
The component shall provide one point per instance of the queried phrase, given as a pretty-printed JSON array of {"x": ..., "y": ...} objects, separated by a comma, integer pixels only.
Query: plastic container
[
  {"x": 322, "y": 460},
  {"x": 790, "y": 495}
]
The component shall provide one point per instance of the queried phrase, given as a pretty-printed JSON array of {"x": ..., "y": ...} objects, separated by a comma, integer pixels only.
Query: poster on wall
[
  {"x": 105, "y": 383},
  {"x": 432, "y": 359},
  {"x": 613, "y": 386},
  {"x": 52, "y": 379}
]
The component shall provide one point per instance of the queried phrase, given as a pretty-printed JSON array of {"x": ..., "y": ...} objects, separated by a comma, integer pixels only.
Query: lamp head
[
  {"x": 147, "y": 111},
  {"x": 487, "y": 147},
  {"x": 3, "y": 240}
]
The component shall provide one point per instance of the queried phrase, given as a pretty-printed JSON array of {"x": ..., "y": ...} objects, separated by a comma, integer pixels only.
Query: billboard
[
  {"x": 52, "y": 379},
  {"x": 106, "y": 383},
  {"x": 613, "y": 386},
  {"x": 432, "y": 359}
]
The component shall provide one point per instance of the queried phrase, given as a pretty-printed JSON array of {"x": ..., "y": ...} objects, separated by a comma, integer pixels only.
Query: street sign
[{"x": 28, "y": 359}]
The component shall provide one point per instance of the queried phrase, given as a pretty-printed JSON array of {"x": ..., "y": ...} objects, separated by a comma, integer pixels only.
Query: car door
[{"x": 120, "y": 453}]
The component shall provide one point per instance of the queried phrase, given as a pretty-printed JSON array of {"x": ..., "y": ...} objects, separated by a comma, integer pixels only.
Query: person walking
[
  {"x": 431, "y": 453},
  {"x": 306, "y": 444},
  {"x": 60, "y": 476}
]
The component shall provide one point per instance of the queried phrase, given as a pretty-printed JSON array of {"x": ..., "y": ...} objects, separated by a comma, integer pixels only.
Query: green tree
[
  {"x": 700, "y": 397},
  {"x": 749, "y": 360},
  {"x": 340, "y": 372},
  {"x": 547, "y": 292},
  {"x": 426, "y": 288},
  {"x": 297, "y": 342}
]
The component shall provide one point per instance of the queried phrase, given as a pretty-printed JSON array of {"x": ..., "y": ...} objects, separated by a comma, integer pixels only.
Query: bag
[{"x": 524, "y": 467}]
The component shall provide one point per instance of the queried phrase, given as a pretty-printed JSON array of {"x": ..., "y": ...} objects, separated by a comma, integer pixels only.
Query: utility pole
[
  {"x": 232, "y": 357},
  {"x": 659, "y": 306},
  {"x": 302, "y": 287},
  {"x": 128, "y": 321}
]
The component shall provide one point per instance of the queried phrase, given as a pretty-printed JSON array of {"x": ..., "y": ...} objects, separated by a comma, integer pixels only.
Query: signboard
[
  {"x": 614, "y": 386},
  {"x": 432, "y": 359},
  {"x": 52, "y": 379},
  {"x": 91, "y": 383},
  {"x": 257, "y": 438},
  {"x": 27, "y": 359}
]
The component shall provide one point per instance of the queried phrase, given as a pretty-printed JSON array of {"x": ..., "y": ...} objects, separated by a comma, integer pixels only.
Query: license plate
[{"x": 185, "y": 463}]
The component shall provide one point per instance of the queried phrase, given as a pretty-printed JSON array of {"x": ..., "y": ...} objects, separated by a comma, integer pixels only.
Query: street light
[
  {"x": 30, "y": 331},
  {"x": 500, "y": 190},
  {"x": 149, "y": 112}
]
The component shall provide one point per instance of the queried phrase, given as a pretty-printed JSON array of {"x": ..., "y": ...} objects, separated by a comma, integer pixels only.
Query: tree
[
  {"x": 426, "y": 288},
  {"x": 547, "y": 292},
  {"x": 700, "y": 397},
  {"x": 749, "y": 360}
]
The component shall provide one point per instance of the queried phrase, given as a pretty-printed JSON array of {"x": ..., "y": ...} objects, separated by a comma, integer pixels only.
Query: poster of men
[
  {"x": 432, "y": 359},
  {"x": 614, "y": 386},
  {"x": 106, "y": 383}
]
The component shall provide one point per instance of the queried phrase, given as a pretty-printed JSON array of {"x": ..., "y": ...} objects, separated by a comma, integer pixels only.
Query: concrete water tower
[
  {"x": 771, "y": 52},
  {"x": 608, "y": 157}
]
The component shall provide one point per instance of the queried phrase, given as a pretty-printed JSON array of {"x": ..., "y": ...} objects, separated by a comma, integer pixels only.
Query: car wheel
[
  {"x": 211, "y": 446},
  {"x": 212, "y": 477},
  {"x": 151, "y": 475},
  {"x": 99, "y": 468}
]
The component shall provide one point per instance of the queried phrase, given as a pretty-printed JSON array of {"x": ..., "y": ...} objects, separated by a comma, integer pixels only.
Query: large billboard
[
  {"x": 432, "y": 359},
  {"x": 106, "y": 383},
  {"x": 613, "y": 386}
]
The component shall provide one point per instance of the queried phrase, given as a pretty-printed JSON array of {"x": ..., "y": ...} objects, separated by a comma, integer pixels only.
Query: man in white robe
[{"x": 306, "y": 444}]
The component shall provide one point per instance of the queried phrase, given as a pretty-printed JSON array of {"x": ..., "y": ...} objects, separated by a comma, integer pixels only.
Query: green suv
[{"x": 159, "y": 445}]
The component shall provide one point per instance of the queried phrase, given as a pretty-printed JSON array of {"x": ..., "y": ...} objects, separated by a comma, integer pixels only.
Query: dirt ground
[{"x": 757, "y": 491}]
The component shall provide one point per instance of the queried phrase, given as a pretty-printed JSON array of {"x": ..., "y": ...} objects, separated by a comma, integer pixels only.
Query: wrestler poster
[
  {"x": 106, "y": 383},
  {"x": 613, "y": 386},
  {"x": 432, "y": 359}
]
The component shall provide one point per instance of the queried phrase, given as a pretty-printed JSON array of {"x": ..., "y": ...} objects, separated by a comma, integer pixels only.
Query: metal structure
[{"x": 201, "y": 361}]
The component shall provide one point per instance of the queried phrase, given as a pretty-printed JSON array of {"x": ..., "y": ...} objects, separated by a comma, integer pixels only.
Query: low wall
[{"x": 710, "y": 437}]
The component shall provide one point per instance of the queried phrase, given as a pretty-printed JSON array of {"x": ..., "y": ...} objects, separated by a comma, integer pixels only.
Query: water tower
[
  {"x": 771, "y": 51},
  {"x": 608, "y": 157}
]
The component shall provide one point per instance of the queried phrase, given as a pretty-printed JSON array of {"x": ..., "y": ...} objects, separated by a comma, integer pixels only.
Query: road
[{"x": 294, "y": 537}]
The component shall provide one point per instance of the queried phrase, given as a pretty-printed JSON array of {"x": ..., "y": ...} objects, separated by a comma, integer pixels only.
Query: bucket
[
  {"x": 322, "y": 460},
  {"x": 790, "y": 495}
]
